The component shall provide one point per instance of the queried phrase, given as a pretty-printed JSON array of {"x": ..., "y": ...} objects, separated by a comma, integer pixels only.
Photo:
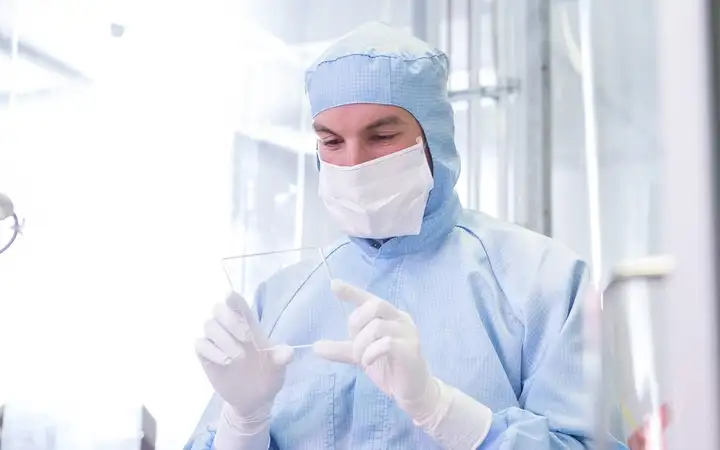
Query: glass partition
[{"x": 607, "y": 155}]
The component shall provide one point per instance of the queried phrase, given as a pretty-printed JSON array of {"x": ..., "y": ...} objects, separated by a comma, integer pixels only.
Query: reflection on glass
[{"x": 247, "y": 274}]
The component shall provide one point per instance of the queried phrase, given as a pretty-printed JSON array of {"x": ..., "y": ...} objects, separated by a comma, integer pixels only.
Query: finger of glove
[
  {"x": 237, "y": 304},
  {"x": 375, "y": 330},
  {"x": 233, "y": 322},
  {"x": 215, "y": 333},
  {"x": 376, "y": 350},
  {"x": 372, "y": 309},
  {"x": 208, "y": 352},
  {"x": 337, "y": 351},
  {"x": 349, "y": 293}
]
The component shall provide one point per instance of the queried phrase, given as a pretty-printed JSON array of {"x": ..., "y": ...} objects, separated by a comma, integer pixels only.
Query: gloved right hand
[{"x": 247, "y": 378}]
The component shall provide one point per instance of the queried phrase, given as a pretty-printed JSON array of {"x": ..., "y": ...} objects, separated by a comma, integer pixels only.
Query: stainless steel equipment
[{"x": 633, "y": 401}]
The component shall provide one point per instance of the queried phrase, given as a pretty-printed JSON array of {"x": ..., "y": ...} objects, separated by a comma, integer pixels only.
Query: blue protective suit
[{"x": 498, "y": 308}]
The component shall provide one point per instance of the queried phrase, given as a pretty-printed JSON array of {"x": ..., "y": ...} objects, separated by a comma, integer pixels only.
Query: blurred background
[{"x": 144, "y": 141}]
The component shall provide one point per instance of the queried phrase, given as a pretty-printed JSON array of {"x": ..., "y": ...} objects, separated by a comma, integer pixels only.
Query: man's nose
[{"x": 357, "y": 154}]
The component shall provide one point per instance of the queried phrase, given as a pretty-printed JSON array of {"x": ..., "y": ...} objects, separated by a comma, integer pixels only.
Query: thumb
[
  {"x": 237, "y": 303},
  {"x": 338, "y": 351},
  {"x": 281, "y": 355}
]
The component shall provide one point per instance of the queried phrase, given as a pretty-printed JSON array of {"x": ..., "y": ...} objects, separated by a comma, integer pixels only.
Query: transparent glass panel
[
  {"x": 247, "y": 274},
  {"x": 629, "y": 155}
]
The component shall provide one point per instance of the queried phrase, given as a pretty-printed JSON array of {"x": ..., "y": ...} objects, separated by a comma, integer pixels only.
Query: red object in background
[{"x": 642, "y": 437}]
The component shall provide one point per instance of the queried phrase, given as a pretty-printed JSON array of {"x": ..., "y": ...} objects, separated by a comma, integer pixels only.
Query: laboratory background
[{"x": 142, "y": 142}]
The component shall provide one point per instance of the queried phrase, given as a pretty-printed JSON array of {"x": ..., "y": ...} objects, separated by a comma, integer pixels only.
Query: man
[{"x": 464, "y": 331}]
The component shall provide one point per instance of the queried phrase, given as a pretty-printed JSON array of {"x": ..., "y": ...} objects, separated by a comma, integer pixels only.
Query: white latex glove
[
  {"x": 386, "y": 345},
  {"x": 247, "y": 379}
]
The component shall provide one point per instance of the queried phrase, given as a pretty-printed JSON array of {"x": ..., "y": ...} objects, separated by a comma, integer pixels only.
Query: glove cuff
[
  {"x": 457, "y": 420},
  {"x": 423, "y": 409},
  {"x": 235, "y": 432},
  {"x": 260, "y": 415}
]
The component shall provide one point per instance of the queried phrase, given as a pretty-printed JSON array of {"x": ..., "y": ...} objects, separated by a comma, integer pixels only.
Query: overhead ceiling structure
[
  {"x": 312, "y": 21},
  {"x": 264, "y": 47},
  {"x": 39, "y": 45},
  {"x": 47, "y": 46}
]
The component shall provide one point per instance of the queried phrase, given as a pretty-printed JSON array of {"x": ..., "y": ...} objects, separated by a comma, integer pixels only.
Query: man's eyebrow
[
  {"x": 384, "y": 121},
  {"x": 320, "y": 128}
]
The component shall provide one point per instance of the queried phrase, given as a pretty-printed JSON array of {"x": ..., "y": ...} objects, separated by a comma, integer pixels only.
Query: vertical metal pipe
[
  {"x": 591, "y": 138},
  {"x": 448, "y": 30},
  {"x": 475, "y": 122},
  {"x": 499, "y": 42},
  {"x": 545, "y": 20},
  {"x": 533, "y": 156},
  {"x": 506, "y": 16}
]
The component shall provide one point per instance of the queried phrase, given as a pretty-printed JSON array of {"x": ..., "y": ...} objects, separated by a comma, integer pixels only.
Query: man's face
[{"x": 353, "y": 134}]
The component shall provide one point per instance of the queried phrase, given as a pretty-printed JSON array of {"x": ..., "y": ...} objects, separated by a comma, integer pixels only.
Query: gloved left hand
[{"x": 386, "y": 344}]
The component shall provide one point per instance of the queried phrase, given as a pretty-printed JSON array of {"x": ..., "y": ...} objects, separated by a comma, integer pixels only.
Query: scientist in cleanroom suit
[{"x": 463, "y": 331}]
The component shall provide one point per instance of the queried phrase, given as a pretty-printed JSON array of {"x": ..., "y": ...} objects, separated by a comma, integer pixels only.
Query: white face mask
[{"x": 379, "y": 199}]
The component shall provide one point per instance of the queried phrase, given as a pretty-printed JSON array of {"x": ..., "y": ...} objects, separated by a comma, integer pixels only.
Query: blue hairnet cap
[{"x": 379, "y": 64}]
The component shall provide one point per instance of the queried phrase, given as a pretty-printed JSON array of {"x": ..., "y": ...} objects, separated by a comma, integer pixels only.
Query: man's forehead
[{"x": 363, "y": 117}]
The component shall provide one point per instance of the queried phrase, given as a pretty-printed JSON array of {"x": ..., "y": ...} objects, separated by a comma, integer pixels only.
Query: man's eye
[
  {"x": 331, "y": 143},
  {"x": 384, "y": 137}
]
